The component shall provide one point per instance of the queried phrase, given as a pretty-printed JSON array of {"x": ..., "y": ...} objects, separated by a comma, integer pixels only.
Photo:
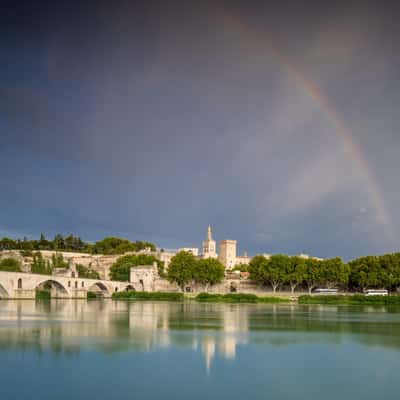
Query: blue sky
[{"x": 152, "y": 121}]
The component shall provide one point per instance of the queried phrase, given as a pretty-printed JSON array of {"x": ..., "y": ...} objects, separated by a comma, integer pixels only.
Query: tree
[
  {"x": 208, "y": 272},
  {"x": 334, "y": 272},
  {"x": 365, "y": 272},
  {"x": 390, "y": 270},
  {"x": 313, "y": 275},
  {"x": 10, "y": 265},
  {"x": 85, "y": 272},
  {"x": 181, "y": 269},
  {"x": 57, "y": 261},
  {"x": 257, "y": 268},
  {"x": 40, "y": 265},
  {"x": 121, "y": 269},
  {"x": 295, "y": 272},
  {"x": 276, "y": 267}
]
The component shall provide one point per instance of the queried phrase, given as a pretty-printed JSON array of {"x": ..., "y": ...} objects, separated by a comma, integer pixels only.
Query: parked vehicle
[
  {"x": 325, "y": 291},
  {"x": 376, "y": 292}
]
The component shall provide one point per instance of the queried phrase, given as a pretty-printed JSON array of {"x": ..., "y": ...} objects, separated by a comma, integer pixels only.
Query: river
[{"x": 65, "y": 349}]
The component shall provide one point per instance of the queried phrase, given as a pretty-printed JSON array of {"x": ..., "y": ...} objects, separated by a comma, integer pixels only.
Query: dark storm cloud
[{"x": 154, "y": 119}]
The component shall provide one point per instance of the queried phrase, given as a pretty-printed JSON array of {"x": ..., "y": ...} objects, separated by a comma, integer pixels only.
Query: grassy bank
[
  {"x": 238, "y": 298},
  {"x": 357, "y": 299},
  {"x": 147, "y": 296}
]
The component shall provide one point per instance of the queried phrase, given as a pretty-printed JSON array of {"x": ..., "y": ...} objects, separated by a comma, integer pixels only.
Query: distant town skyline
[{"x": 275, "y": 124}]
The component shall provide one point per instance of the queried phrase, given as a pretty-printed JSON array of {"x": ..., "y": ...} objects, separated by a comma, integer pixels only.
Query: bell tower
[{"x": 209, "y": 245}]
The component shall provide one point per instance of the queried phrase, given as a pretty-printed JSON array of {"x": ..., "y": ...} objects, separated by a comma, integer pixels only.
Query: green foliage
[
  {"x": 10, "y": 265},
  {"x": 57, "y": 261},
  {"x": 241, "y": 268},
  {"x": 208, "y": 272},
  {"x": 42, "y": 294},
  {"x": 366, "y": 272},
  {"x": 147, "y": 296},
  {"x": 357, "y": 299},
  {"x": 85, "y": 272},
  {"x": 120, "y": 270},
  {"x": 237, "y": 298},
  {"x": 313, "y": 275},
  {"x": 295, "y": 272},
  {"x": 181, "y": 269},
  {"x": 73, "y": 243},
  {"x": 40, "y": 265},
  {"x": 91, "y": 295},
  {"x": 114, "y": 245},
  {"x": 270, "y": 271}
]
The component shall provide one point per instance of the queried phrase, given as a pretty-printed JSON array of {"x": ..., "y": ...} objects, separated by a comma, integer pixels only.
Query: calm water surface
[{"x": 67, "y": 349}]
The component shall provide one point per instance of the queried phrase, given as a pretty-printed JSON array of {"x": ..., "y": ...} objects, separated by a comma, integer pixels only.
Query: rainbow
[{"x": 343, "y": 133}]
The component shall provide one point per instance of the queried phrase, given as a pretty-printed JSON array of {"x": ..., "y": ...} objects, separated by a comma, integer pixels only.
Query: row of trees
[
  {"x": 108, "y": 245},
  {"x": 359, "y": 274}
]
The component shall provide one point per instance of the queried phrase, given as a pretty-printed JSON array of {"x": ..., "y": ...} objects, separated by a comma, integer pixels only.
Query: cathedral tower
[{"x": 209, "y": 245}]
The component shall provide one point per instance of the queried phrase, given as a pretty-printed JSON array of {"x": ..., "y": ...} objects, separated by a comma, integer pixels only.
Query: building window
[
  {"x": 19, "y": 283},
  {"x": 116, "y": 289},
  {"x": 83, "y": 284},
  {"x": 188, "y": 289},
  {"x": 69, "y": 283},
  {"x": 76, "y": 284}
]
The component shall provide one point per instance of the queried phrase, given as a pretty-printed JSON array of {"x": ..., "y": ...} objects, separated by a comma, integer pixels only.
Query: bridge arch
[
  {"x": 129, "y": 288},
  {"x": 99, "y": 287},
  {"x": 3, "y": 292},
  {"x": 53, "y": 283}
]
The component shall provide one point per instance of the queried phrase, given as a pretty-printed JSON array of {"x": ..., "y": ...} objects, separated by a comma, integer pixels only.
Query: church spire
[{"x": 209, "y": 237}]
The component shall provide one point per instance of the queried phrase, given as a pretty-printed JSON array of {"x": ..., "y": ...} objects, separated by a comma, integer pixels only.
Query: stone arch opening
[
  {"x": 3, "y": 292},
  {"x": 130, "y": 288},
  {"x": 99, "y": 288},
  {"x": 55, "y": 288}
]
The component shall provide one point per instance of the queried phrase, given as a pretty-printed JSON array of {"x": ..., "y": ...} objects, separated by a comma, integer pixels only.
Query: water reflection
[{"x": 65, "y": 326}]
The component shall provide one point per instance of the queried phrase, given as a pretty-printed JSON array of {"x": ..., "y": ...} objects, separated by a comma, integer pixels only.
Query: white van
[
  {"x": 325, "y": 291},
  {"x": 376, "y": 292}
]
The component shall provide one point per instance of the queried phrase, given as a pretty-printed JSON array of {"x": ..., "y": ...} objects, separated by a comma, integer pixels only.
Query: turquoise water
[{"x": 67, "y": 349}]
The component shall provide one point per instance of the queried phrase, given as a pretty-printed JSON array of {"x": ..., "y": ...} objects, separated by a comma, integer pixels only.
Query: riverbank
[
  {"x": 356, "y": 299},
  {"x": 201, "y": 297}
]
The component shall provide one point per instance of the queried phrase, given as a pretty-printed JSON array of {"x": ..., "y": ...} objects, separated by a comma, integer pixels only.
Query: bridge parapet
[{"x": 24, "y": 285}]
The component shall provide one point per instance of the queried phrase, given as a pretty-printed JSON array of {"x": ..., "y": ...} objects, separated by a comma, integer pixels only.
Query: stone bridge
[{"x": 22, "y": 285}]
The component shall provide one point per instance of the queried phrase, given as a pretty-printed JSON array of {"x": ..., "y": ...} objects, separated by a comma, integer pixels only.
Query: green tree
[
  {"x": 365, "y": 272},
  {"x": 120, "y": 270},
  {"x": 85, "y": 272},
  {"x": 277, "y": 266},
  {"x": 10, "y": 265},
  {"x": 313, "y": 275},
  {"x": 334, "y": 272},
  {"x": 295, "y": 272},
  {"x": 208, "y": 272},
  {"x": 181, "y": 269},
  {"x": 40, "y": 265},
  {"x": 57, "y": 261},
  {"x": 258, "y": 269}
]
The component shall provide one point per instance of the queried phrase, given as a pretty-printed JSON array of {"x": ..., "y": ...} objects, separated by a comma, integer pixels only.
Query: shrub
[
  {"x": 85, "y": 272},
  {"x": 10, "y": 265},
  {"x": 42, "y": 294},
  {"x": 91, "y": 295},
  {"x": 147, "y": 296},
  {"x": 237, "y": 298}
]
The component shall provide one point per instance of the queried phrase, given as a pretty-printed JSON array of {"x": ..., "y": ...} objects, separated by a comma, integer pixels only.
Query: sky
[{"x": 275, "y": 122}]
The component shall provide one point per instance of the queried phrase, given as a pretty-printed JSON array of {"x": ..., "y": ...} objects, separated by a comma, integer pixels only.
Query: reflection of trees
[{"x": 65, "y": 326}]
